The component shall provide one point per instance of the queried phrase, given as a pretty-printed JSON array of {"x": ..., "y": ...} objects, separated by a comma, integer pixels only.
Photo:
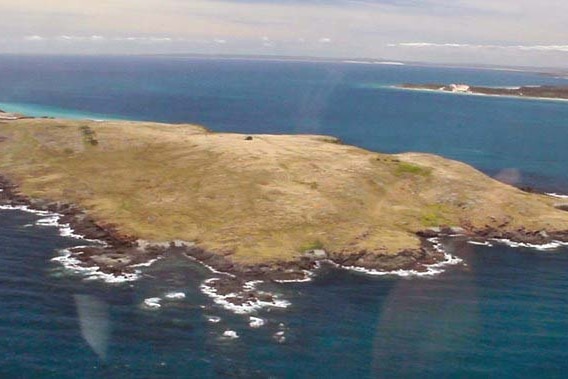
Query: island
[
  {"x": 539, "y": 92},
  {"x": 255, "y": 207}
]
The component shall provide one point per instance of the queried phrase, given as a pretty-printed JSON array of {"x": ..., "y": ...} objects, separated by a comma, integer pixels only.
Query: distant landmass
[{"x": 545, "y": 92}]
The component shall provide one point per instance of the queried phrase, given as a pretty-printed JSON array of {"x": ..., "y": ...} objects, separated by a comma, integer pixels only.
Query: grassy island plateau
[
  {"x": 539, "y": 92},
  {"x": 256, "y": 207}
]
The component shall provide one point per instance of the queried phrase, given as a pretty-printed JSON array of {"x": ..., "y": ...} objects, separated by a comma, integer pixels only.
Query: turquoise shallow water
[
  {"x": 503, "y": 314},
  {"x": 34, "y": 110}
]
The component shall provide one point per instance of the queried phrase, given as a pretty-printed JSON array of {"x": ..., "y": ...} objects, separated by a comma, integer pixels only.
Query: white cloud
[
  {"x": 429, "y": 44},
  {"x": 557, "y": 48},
  {"x": 34, "y": 38},
  {"x": 99, "y": 38},
  {"x": 563, "y": 48},
  {"x": 266, "y": 42},
  {"x": 159, "y": 39},
  {"x": 511, "y": 31}
]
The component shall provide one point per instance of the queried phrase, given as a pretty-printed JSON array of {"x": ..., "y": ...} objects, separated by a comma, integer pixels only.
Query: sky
[{"x": 496, "y": 32}]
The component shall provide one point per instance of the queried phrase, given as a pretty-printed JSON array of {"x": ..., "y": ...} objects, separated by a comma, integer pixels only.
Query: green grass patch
[
  {"x": 413, "y": 169},
  {"x": 432, "y": 216},
  {"x": 313, "y": 245}
]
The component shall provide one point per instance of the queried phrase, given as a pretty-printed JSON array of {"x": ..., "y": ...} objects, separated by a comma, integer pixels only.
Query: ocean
[{"x": 502, "y": 313}]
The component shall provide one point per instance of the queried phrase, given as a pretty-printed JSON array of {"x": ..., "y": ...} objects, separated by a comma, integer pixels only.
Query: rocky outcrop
[
  {"x": 547, "y": 92},
  {"x": 518, "y": 235}
]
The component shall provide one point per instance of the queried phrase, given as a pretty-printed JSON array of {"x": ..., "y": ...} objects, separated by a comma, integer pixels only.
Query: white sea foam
[
  {"x": 251, "y": 285},
  {"x": 214, "y": 319},
  {"x": 230, "y": 334},
  {"x": 146, "y": 264},
  {"x": 308, "y": 277},
  {"x": 175, "y": 295},
  {"x": 51, "y": 219},
  {"x": 112, "y": 278},
  {"x": 433, "y": 269},
  {"x": 247, "y": 306},
  {"x": 557, "y": 195},
  {"x": 209, "y": 267},
  {"x": 256, "y": 322},
  {"x": 484, "y": 243},
  {"x": 544, "y": 247},
  {"x": 25, "y": 208},
  {"x": 65, "y": 230},
  {"x": 72, "y": 264},
  {"x": 152, "y": 303}
]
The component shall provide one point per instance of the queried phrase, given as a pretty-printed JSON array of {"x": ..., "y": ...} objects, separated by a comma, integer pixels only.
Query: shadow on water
[
  {"x": 426, "y": 323},
  {"x": 94, "y": 321}
]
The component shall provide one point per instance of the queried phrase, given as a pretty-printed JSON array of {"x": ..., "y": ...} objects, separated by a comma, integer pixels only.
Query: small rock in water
[
  {"x": 213, "y": 319},
  {"x": 279, "y": 336},
  {"x": 255, "y": 322},
  {"x": 175, "y": 295},
  {"x": 152, "y": 302}
]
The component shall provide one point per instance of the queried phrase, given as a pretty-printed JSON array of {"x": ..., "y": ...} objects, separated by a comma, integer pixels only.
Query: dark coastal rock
[
  {"x": 528, "y": 189},
  {"x": 559, "y": 235},
  {"x": 561, "y": 206},
  {"x": 316, "y": 254},
  {"x": 429, "y": 233},
  {"x": 452, "y": 230},
  {"x": 416, "y": 259},
  {"x": 521, "y": 235}
]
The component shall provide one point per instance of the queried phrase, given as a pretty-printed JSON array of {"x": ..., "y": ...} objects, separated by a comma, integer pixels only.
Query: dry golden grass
[{"x": 265, "y": 199}]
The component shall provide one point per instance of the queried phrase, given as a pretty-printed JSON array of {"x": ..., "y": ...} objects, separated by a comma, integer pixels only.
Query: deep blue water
[{"x": 505, "y": 314}]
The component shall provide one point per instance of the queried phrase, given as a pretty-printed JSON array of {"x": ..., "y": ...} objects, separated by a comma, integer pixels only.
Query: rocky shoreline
[
  {"x": 489, "y": 233},
  {"x": 113, "y": 253},
  {"x": 119, "y": 255}
]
